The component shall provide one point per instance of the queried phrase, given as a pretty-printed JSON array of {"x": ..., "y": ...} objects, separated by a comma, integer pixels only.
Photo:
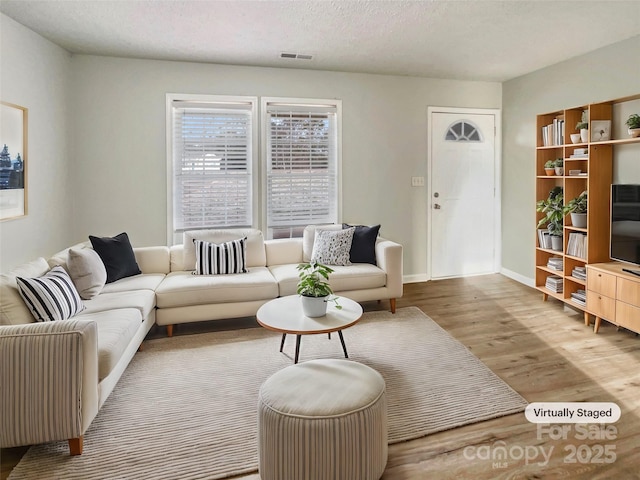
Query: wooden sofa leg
[
  {"x": 392, "y": 303},
  {"x": 140, "y": 347},
  {"x": 169, "y": 330},
  {"x": 75, "y": 445}
]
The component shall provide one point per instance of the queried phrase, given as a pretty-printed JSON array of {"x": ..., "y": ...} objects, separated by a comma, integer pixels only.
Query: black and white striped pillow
[
  {"x": 52, "y": 296},
  {"x": 223, "y": 258}
]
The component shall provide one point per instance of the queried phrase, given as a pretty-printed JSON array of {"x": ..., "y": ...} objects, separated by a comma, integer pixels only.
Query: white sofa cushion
[
  {"x": 144, "y": 281},
  {"x": 116, "y": 329},
  {"x": 357, "y": 276},
  {"x": 13, "y": 310},
  {"x": 256, "y": 256},
  {"x": 180, "y": 289},
  {"x": 142, "y": 300}
]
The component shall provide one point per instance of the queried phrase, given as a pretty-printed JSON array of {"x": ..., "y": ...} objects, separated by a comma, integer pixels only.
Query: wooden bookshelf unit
[{"x": 596, "y": 177}]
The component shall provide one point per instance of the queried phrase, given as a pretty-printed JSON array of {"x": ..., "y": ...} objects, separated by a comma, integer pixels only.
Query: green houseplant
[
  {"x": 550, "y": 167},
  {"x": 577, "y": 207},
  {"x": 558, "y": 165},
  {"x": 553, "y": 210},
  {"x": 583, "y": 126},
  {"x": 633, "y": 122},
  {"x": 314, "y": 288}
]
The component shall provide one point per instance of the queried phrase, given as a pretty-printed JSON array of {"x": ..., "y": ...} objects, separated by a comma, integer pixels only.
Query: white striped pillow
[
  {"x": 51, "y": 296},
  {"x": 223, "y": 258}
]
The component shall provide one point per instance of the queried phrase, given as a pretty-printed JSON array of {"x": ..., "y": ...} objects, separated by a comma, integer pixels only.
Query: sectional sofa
[{"x": 89, "y": 352}]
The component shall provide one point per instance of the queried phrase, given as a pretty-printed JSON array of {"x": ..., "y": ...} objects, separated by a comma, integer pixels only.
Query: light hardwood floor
[{"x": 547, "y": 354}]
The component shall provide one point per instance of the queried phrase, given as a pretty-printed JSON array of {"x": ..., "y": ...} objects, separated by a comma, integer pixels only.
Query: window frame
[
  {"x": 264, "y": 145},
  {"x": 175, "y": 237}
]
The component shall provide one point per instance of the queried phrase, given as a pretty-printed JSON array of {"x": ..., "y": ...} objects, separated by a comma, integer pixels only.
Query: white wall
[
  {"x": 34, "y": 74},
  {"x": 605, "y": 74},
  {"x": 118, "y": 121}
]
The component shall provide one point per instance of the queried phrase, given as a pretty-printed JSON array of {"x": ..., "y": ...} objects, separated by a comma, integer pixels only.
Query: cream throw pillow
[
  {"x": 87, "y": 271},
  {"x": 332, "y": 247}
]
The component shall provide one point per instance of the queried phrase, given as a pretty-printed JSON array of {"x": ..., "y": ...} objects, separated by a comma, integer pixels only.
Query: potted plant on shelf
[
  {"x": 583, "y": 126},
  {"x": 314, "y": 289},
  {"x": 577, "y": 207},
  {"x": 558, "y": 165},
  {"x": 633, "y": 122},
  {"x": 553, "y": 215},
  {"x": 550, "y": 167}
]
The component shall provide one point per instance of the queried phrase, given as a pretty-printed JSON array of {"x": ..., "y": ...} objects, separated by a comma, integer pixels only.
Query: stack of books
[
  {"x": 553, "y": 134},
  {"x": 554, "y": 283},
  {"x": 544, "y": 240},
  {"x": 579, "y": 297},
  {"x": 580, "y": 273},
  {"x": 555, "y": 263},
  {"x": 577, "y": 245},
  {"x": 580, "y": 153}
]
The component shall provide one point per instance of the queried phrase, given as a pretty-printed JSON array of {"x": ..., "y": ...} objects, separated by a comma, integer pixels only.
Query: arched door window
[{"x": 463, "y": 131}]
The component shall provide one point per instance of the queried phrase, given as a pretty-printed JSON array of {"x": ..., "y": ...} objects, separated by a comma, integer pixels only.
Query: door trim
[{"x": 497, "y": 113}]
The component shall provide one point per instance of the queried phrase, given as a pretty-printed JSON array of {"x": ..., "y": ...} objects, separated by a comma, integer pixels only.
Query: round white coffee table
[{"x": 284, "y": 314}]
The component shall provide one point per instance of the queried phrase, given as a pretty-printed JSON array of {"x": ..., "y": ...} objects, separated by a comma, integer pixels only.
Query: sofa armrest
[
  {"x": 152, "y": 259},
  {"x": 49, "y": 379},
  {"x": 389, "y": 259}
]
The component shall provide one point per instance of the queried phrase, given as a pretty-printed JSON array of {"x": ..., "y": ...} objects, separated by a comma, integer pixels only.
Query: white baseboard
[
  {"x": 518, "y": 278},
  {"x": 421, "y": 277}
]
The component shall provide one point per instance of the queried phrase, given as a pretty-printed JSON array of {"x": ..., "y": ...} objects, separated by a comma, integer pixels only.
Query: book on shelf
[
  {"x": 555, "y": 263},
  {"x": 579, "y": 272},
  {"x": 544, "y": 239},
  {"x": 579, "y": 297},
  {"x": 553, "y": 134},
  {"x": 554, "y": 283},
  {"x": 577, "y": 245}
]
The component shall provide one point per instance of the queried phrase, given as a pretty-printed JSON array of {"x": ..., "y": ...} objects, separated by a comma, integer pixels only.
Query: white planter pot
[
  {"x": 575, "y": 138},
  {"x": 579, "y": 220},
  {"x": 559, "y": 171},
  {"x": 556, "y": 243},
  {"x": 584, "y": 135},
  {"x": 634, "y": 132},
  {"x": 314, "y": 306}
]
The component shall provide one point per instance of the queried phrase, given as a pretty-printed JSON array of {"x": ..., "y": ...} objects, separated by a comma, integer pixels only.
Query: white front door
[{"x": 463, "y": 202}]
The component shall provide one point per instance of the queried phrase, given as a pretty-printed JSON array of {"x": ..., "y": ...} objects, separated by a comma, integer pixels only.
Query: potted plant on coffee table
[
  {"x": 633, "y": 122},
  {"x": 553, "y": 210},
  {"x": 577, "y": 207},
  {"x": 314, "y": 289}
]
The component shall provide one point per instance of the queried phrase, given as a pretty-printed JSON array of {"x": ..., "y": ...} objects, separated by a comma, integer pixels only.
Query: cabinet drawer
[
  {"x": 628, "y": 291},
  {"x": 628, "y": 316},
  {"x": 600, "y": 282},
  {"x": 601, "y": 305}
]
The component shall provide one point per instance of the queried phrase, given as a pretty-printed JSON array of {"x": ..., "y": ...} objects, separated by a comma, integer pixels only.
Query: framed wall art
[
  {"x": 13, "y": 161},
  {"x": 600, "y": 130}
]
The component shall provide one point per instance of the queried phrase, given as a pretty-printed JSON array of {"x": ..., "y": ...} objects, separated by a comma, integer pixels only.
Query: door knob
[
  {"x": 436, "y": 206},
  {"x": 436, "y": 194}
]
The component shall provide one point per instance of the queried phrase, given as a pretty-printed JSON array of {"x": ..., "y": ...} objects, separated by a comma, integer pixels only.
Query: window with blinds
[
  {"x": 212, "y": 158},
  {"x": 302, "y": 165}
]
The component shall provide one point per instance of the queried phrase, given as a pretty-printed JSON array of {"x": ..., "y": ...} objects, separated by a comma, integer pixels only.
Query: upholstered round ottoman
[{"x": 323, "y": 419}]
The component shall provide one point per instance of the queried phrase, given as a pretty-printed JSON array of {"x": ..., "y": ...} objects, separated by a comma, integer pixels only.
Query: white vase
[
  {"x": 584, "y": 135},
  {"x": 575, "y": 138},
  {"x": 579, "y": 220},
  {"x": 314, "y": 306}
]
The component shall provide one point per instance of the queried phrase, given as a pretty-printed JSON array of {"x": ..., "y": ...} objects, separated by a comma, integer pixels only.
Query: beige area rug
[{"x": 186, "y": 407}]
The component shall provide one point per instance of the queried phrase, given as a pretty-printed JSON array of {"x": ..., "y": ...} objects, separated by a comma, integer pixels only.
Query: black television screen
[{"x": 625, "y": 223}]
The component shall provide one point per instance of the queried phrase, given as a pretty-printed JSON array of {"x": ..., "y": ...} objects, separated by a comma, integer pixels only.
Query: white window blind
[
  {"x": 212, "y": 164},
  {"x": 302, "y": 166}
]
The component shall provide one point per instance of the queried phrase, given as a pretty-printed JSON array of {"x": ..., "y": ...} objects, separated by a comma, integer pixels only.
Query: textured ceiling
[{"x": 454, "y": 39}]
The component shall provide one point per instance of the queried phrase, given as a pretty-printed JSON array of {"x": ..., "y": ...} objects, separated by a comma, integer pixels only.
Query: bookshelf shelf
[{"x": 594, "y": 161}]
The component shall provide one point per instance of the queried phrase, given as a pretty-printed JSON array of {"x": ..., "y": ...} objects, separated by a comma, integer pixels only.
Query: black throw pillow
[
  {"x": 117, "y": 255},
  {"x": 363, "y": 245}
]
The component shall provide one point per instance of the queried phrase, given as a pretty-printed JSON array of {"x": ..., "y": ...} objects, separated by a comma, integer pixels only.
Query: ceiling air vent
[{"x": 298, "y": 56}]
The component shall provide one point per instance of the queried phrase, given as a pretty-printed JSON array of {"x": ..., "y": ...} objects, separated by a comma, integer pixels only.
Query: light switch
[{"x": 417, "y": 181}]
